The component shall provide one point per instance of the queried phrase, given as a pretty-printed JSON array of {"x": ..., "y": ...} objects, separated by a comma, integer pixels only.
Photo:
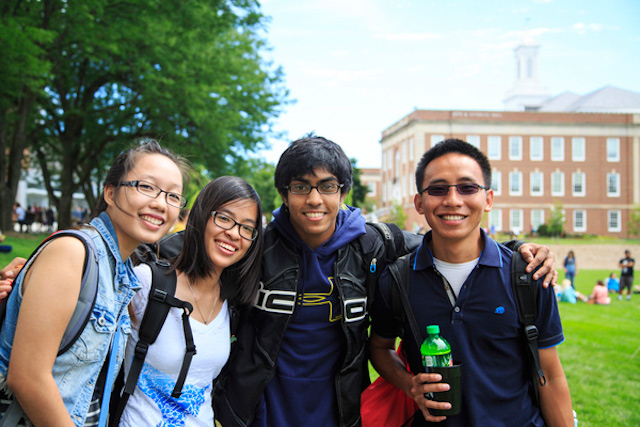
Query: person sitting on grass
[
  {"x": 600, "y": 295},
  {"x": 569, "y": 294},
  {"x": 613, "y": 284}
]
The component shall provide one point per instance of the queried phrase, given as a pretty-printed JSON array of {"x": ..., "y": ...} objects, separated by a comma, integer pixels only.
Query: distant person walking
[
  {"x": 626, "y": 275},
  {"x": 570, "y": 268},
  {"x": 21, "y": 215}
]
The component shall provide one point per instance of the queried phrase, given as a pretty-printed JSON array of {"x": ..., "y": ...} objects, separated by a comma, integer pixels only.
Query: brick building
[
  {"x": 581, "y": 152},
  {"x": 588, "y": 162}
]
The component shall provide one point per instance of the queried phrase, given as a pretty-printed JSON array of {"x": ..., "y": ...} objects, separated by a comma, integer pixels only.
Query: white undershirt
[
  {"x": 151, "y": 404},
  {"x": 455, "y": 274}
]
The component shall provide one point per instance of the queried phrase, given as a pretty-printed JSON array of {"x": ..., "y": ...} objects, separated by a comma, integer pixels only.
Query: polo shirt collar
[{"x": 489, "y": 257}]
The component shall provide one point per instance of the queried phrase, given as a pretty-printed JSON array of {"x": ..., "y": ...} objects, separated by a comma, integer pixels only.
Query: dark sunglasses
[{"x": 465, "y": 189}]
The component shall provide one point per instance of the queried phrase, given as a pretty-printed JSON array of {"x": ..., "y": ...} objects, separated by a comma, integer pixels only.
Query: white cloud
[
  {"x": 333, "y": 77},
  {"x": 410, "y": 36}
]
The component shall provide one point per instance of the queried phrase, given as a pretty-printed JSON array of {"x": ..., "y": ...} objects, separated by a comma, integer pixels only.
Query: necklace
[{"x": 206, "y": 321}]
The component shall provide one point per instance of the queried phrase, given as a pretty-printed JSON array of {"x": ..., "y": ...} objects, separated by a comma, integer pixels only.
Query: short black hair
[
  {"x": 305, "y": 155},
  {"x": 240, "y": 280},
  {"x": 453, "y": 146}
]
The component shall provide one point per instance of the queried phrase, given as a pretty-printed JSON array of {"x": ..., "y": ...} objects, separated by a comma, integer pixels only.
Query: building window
[
  {"x": 537, "y": 182},
  {"x": 412, "y": 149},
  {"x": 403, "y": 187},
  {"x": 578, "y": 183},
  {"x": 536, "y": 149},
  {"x": 613, "y": 149},
  {"x": 557, "y": 149},
  {"x": 436, "y": 138},
  {"x": 537, "y": 219},
  {"x": 494, "y": 149},
  {"x": 613, "y": 184},
  {"x": 404, "y": 151},
  {"x": 516, "y": 221},
  {"x": 474, "y": 140},
  {"x": 579, "y": 220},
  {"x": 578, "y": 149},
  {"x": 515, "y": 148},
  {"x": 496, "y": 182},
  {"x": 557, "y": 184},
  {"x": 515, "y": 183},
  {"x": 613, "y": 219},
  {"x": 495, "y": 219},
  {"x": 371, "y": 189},
  {"x": 398, "y": 170}
]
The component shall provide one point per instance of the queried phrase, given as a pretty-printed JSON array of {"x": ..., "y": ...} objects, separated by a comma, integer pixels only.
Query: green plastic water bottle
[{"x": 435, "y": 350}]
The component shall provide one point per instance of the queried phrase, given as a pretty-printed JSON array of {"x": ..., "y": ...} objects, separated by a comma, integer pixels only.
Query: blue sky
[{"x": 355, "y": 67}]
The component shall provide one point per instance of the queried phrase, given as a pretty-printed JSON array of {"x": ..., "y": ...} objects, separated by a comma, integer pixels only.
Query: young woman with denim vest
[
  {"x": 217, "y": 271},
  {"x": 141, "y": 200}
]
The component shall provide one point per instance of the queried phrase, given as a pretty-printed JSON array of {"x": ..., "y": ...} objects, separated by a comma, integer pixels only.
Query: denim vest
[{"x": 76, "y": 371}]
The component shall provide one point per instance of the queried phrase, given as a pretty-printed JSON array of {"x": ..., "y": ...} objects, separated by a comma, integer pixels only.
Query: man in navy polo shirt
[{"x": 460, "y": 280}]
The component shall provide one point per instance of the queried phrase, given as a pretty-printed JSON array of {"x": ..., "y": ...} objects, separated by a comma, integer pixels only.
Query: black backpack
[
  {"x": 161, "y": 299},
  {"x": 526, "y": 295}
]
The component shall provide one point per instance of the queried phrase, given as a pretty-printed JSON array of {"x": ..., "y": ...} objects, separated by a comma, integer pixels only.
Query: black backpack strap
[
  {"x": 399, "y": 296},
  {"x": 526, "y": 294},
  {"x": 161, "y": 299}
]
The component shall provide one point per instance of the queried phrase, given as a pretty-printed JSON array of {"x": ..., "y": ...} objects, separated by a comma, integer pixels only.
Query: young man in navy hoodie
[{"x": 300, "y": 357}]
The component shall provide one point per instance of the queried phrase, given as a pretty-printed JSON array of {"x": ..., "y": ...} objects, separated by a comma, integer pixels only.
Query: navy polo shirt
[{"x": 483, "y": 331}]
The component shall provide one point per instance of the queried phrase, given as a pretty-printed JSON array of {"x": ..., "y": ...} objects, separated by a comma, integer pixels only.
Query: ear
[
  {"x": 109, "y": 194},
  {"x": 489, "y": 200},
  {"x": 342, "y": 197},
  {"x": 283, "y": 196},
  {"x": 417, "y": 202}
]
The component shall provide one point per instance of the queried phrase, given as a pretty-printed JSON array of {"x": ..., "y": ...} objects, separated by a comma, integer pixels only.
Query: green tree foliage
[
  {"x": 398, "y": 215},
  {"x": 633, "y": 225},
  {"x": 555, "y": 226},
  {"x": 259, "y": 174},
  {"x": 23, "y": 68},
  {"x": 190, "y": 72},
  {"x": 358, "y": 191}
]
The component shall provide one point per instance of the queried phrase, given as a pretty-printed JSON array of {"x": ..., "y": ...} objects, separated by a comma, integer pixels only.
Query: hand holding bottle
[{"x": 436, "y": 358}]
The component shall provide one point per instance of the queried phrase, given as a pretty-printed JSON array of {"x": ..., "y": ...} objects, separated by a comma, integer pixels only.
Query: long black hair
[{"x": 240, "y": 280}]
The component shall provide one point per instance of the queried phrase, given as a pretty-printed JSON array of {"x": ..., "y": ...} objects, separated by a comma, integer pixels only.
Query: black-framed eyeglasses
[
  {"x": 465, "y": 189},
  {"x": 151, "y": 190},
  {"x": 323, "y": 188},
  {"x": 225, "y": 221}
]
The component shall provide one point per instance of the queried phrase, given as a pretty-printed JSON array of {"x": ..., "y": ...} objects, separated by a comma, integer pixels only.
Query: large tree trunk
[{"x": 11, "y": 171}]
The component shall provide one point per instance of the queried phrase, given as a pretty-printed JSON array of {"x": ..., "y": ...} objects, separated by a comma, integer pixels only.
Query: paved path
[{"x": 597, "y": 256}]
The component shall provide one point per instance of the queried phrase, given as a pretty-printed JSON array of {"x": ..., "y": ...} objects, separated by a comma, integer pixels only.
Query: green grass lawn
[
  {"x": 600, "y": 356},
  {"x": 23, "y": 244}
]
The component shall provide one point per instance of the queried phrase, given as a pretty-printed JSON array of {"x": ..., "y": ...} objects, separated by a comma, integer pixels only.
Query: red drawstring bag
[{"x": 384, "y": 405}]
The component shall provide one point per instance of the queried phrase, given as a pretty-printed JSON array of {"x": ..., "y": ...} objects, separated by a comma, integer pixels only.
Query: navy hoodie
[{"x": 302, "y": 391}]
